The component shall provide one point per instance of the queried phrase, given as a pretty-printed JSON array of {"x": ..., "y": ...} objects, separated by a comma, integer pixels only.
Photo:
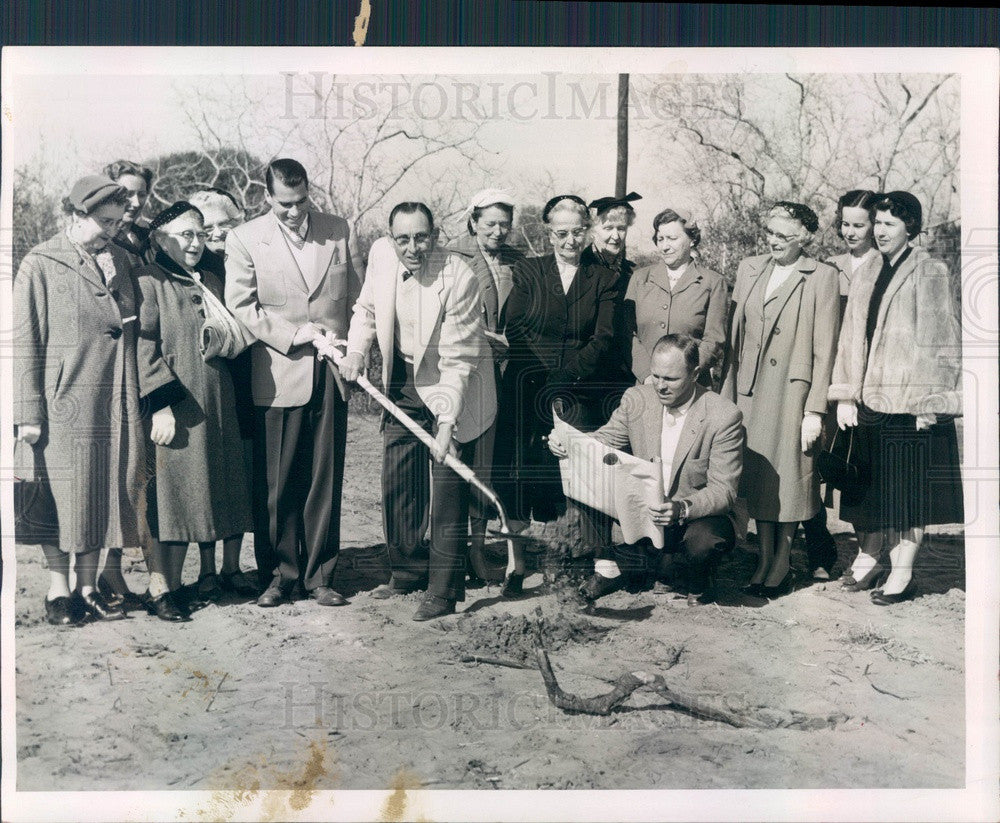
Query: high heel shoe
[
  {"x": 128, "y": 600},
  {"x": 783, "y": 588},
  {"x": 869, "y": 581},
  {"x": 167, "y": 608},
  {"x": 880, "y": 598},
  {"x": 513, "y": 585}
]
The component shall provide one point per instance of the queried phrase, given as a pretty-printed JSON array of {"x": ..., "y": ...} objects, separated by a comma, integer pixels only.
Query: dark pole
[{"x": 621, "y": 175}]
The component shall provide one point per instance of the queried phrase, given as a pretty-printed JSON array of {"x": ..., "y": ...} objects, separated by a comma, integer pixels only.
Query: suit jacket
[
  {"x": 267, "y": 293},
  {"x": 709, "y": 457},
  {"x": 698, "y": 306},
  {"x": 467, "y": 247},
  {"x": 557, "y": 331},
  {"x": 452, "y": 363},
  {"x": 915, "y": 362}
]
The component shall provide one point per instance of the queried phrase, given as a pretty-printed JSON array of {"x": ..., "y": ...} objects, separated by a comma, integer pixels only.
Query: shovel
[{"x": 514, "y": 558}]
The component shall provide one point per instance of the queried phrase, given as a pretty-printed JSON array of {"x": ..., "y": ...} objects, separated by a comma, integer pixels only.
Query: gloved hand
[
  {"x": 812, "y": 428},
  {"x": 847, "y": 414}
]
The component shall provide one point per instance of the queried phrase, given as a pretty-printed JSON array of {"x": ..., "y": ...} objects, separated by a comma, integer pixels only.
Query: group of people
[{"x": 186, "y": 381}]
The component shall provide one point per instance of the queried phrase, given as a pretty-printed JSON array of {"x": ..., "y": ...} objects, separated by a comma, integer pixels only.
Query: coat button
[
  {"x": 196, "y": 298},
  {"x": 664, "y": 307},
  {"x": 663, "y": 325},
  {"x": 774, "y": 362},
  {"x": 777, "y": 330},
  {"x": 114, "y": 334}
]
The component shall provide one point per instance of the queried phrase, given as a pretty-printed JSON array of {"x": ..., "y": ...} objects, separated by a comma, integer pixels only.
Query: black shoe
[
  {"x": 209, "y": 588},
  {"x": 128, "y": 599},
  {"x": 783, "y": 588},
  {"x": 869, "y": 581},
  {"x": 273, "y": 596},
  {"x": 167, "y": 608},
  {"x": 434, "y": 606},
  {"x": 237, "y": 584},
  {"x": 326, "y": 596},
  {"x": 598, "y": 586},
  {"x": 513, "y": 585},
  {"x": 395, "y": 589},
  {"x": 880, "y": 598},
  {"x": 59, "y": 612},
  {"x": 97, "y": 607}
]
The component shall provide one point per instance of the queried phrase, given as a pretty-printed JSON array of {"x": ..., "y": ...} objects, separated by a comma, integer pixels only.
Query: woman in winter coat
[
  {"x": 783, "y": 341},
  {"x": 897, "y": 381},
  {"x": 199, "y": 493},
  {"x": 76, "y": 394}
]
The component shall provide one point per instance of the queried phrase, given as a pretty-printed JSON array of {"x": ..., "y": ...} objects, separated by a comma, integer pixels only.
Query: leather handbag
[
  {"x": 844, "y": 467},
  {"x": 35, "y": 519}
]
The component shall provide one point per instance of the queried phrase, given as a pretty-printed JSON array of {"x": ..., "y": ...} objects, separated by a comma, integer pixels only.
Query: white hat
[{"x": 489, "y": 197}]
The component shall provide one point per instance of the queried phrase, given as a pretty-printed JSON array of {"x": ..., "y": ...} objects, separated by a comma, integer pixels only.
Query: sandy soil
[{"x": 303, "y": 697}]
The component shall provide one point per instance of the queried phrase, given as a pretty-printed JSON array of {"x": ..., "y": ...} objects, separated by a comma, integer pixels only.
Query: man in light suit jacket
[
  {"x": 699, "y": 438},
  {"x": 423, "y": 307},
  {"x": 290, "y": 281}
]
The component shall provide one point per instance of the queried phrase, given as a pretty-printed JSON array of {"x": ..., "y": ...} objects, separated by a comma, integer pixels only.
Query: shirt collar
[
  {"x": 682, "y": 409},
  {"x": 298, "y": 236}
]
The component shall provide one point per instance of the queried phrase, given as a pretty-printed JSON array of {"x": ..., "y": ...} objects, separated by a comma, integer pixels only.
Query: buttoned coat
[
  {"x": 452, "y": 362},
  {"x": 915, "y": 362},
  {"x": 199, "y": 491},
  {"x": 698, "y": 305},
  {"x": 777, "y": 373},
  {"x": 75, "y": 377},
  {"x": 708, "y": 460},
  {"x": 266, "y": 292}
]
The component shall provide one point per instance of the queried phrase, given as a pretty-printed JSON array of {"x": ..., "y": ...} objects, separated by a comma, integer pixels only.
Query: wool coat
[
  {"x": 782, "y": 355},
  {"x": 200, "y": 491},
  {"x": 75, "y": 377},
  {"x": 698, "y": 305},
  {"x": 493, "y": 300},
  {"x": 915, "y": 362}
]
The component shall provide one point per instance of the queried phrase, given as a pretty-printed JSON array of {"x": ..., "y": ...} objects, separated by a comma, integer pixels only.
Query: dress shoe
[
  {"x": 274, "y": 595},
  {"x": 326, "y": 596},
  {"x": 754, "y": 590},
  {"x": 395, "y": 589},
  {"x": 513, "y": 585},
  {"x": 869, "y": 581},
  {"x": 236, "y": 583},
  {"x": 167, "y": 608},
  {"x": 97, "y": 607},
  {"x": 783, "y": 588},
  {"x": 434, "y": 606},
  {"x": 128, "y": 599},
  {"x": 59, "y": 612},
  {"x": 880, "y": 598},
  {"x": 208, "y": 588},
  {"x": 597, "y": 586}
]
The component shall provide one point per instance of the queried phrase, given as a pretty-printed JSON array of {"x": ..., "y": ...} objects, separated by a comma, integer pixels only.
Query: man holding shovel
[{"x": 422, "y": 306}]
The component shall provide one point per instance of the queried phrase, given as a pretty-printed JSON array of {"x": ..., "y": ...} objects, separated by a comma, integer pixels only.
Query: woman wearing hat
[
  {"x": 676, "y": 296},
  {"x": 489, "y": 220},
  {"x": 200, "y": 492},
  {"x": 897, "y": 381},
  {"x": 76, "y": 393},
  {"x": 611, "y": 218},
  {"x": 783, "y": 341},
  {"x": 222, "y": 213},
  {"x": 558, "y": 321}
]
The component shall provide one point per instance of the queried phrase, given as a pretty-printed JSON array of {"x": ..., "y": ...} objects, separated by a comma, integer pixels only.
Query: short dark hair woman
[
  {"x": 137, "y": 181},
  {"x": 677, "y": 295},
  {"x": 897, "y": 381},
  {"x": 76, "y": 394},
  {"x": 783, "y": 342}
]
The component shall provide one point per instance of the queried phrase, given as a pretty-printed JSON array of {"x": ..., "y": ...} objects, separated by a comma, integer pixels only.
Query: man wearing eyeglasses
[
  {"x": 290, "y": 281},
  {"x": 423, "y": 307}
]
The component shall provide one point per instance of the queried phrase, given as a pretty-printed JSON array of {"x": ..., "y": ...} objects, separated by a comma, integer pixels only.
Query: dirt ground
[{"x": 304, "y": 697}]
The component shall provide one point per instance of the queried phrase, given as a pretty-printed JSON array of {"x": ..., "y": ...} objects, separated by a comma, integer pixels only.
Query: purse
[
  {"x": 35, "y": 519},
  {"x": 843, "y": 466}
]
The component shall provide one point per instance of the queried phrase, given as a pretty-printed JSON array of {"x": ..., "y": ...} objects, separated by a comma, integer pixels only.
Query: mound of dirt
[{"x": 514, "y": 637}]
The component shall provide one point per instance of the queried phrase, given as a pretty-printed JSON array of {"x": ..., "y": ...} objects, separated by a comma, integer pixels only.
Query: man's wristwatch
[{"x": 685, "y": 508}]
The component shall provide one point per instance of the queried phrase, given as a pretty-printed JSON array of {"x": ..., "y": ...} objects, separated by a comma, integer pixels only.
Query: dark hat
[
  {"x": 603, "y": 204},
  {"x": 172, "y": 213},
  {"x": 555, "y": 201},
  {"x": 90, "y": 191}
]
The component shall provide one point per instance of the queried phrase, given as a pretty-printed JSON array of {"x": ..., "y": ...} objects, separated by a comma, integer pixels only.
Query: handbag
[
  {"x": 843, "y": 466},
  {"x": 35, "y": 518}
]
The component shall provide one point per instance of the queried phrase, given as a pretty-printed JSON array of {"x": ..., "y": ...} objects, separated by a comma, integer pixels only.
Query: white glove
[
  {"x": 29, "y": 433},
  {"x": 812, "y": 427},
  {"x": 925, "y": 421},
  {"x": 164, "y": 427},
  {"x": 847, "y": 414}
]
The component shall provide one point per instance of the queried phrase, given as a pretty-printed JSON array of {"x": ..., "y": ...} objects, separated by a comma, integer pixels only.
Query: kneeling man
[{"x": 699, "y": 438}]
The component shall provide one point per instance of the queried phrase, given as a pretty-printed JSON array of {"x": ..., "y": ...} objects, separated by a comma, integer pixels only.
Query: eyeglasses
[
  {"x": 563, "y": 234},
  {"x": 108, "y": 223},
  {"x": 784, "y": 238},
  {"x": 421, "y": 240},
  {"x": 188, "y": 236}
]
